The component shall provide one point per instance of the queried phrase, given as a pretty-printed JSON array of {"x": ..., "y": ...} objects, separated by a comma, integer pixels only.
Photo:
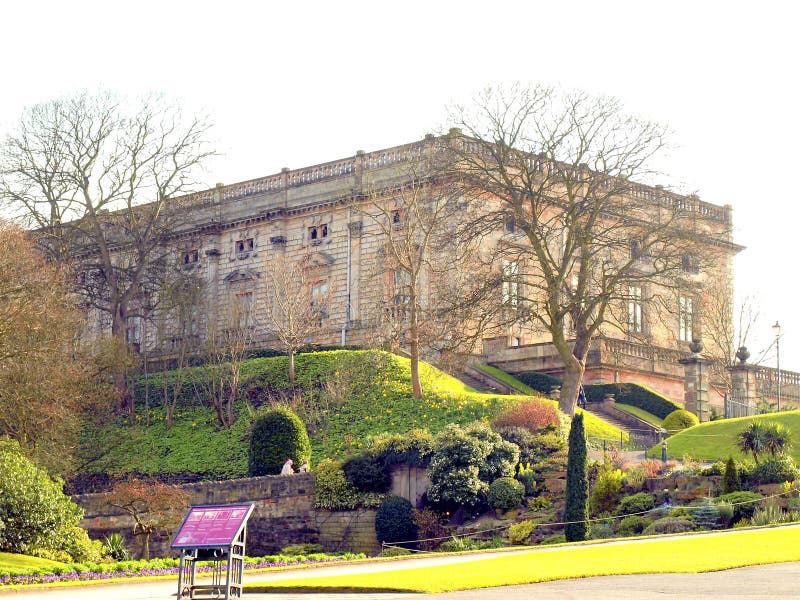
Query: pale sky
[{"x": 299, "y": 83}]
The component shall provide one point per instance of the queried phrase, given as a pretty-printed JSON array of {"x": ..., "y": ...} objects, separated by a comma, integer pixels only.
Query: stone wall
[{"x": 284, "y": 514}]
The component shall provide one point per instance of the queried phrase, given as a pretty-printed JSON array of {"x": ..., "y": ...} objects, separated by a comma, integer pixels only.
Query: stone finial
[
  {"x": 696, "y": 347},
  {"x": 742, "y": 354}
]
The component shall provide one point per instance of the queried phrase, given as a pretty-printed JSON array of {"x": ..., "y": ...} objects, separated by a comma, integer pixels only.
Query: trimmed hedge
[
  {"x": 394, "y": 521},
  {"x": 277, "y": 434},
  {"x": 539, "y": 381},
  {"x": 679, "y": 420},
  {"x": 633, "y": 394}
]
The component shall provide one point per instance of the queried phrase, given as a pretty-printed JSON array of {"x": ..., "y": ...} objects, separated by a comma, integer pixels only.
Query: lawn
[
  {"x": 20, "y": 563},
  {"x": 716, "y": 440},
  {"x": 642, "y": 414},
  {"x": 352, "y": 394},
  {"x": 683, "y": 554}
]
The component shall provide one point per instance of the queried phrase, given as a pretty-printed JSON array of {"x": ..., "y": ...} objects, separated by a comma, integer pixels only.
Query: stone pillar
[
  {"x": 744, "y": 394},
  {"x": 696, "y": 377},
  {"x": 212, "y": 292}
]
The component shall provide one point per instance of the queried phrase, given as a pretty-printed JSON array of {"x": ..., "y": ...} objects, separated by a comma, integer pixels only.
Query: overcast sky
[{"x": 298, "y": 83}]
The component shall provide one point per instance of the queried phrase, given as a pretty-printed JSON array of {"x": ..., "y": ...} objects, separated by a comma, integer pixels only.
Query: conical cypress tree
[
  {"x": 576, "y": 512},
  {"x": 730, "y": 479}
]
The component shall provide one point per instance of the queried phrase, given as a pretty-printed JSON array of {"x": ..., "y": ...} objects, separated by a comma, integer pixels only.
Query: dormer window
[{"x": 244, "y": 247}]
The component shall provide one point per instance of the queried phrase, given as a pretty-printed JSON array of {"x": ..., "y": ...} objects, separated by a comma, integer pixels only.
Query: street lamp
[{"x": 777, "y": 329}]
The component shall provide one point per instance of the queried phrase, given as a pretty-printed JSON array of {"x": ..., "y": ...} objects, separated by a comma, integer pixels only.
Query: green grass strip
[
  {"x": 642, "y": 414},
  {"x": 684, "y": 554},
  {"x": 507, "y": 379}
]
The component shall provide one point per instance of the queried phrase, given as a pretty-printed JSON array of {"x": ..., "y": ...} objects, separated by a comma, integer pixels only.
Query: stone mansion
[{"x": 234, "y": 234}]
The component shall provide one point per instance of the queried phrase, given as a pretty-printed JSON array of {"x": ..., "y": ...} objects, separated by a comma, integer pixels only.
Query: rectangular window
[
  {"x": 192, "y": 256},
  {"x": 242, "y": 310},
  {"x": 245, "y": 247},
  {"x": 319, "y": 297},
  {"x": 685, "y": 319},
  {"x": 511, "y": 283},
  {"x": 635, "y": 323},
  {"x": 133, "y": 330},
  {"x": 317, "y": 233}
]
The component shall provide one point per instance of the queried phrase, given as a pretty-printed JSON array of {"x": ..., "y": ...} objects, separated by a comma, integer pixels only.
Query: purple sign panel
[{"x": 212, "y": 525}]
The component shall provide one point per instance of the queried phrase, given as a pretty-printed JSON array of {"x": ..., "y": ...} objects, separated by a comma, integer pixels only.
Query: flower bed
[{"x": 153, "y": 568}]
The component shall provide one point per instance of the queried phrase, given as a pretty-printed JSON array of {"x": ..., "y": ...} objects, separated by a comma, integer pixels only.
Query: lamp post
[{"x": 777, "y": 329}]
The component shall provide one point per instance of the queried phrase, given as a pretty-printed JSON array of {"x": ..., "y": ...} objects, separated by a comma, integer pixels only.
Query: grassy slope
[
  {"x": 684, "y": 554},
  {"x": 642, "y": 414},
  {"x": 381, "y": 402},
  {"x": 716, "y": 440},
  {"x": 20, "y": 563}
]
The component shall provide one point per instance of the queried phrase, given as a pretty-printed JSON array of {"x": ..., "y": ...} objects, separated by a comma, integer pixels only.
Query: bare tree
[
  {"x": 176, "y": 317},
  {"x": 98, "y": 177},
  {"x": 584, "y": 240},
  {"x": 434, "y": 279},
  {"x": 296, "y": 302}
]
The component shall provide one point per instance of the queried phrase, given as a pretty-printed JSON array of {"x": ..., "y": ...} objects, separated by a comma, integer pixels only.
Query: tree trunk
[
  {"x": 146, "y": 546},
  {"x": 291, "y": 367},
  {"x": 126, "y": 400},
  {"x": 413, "y": 332},
  {"x": 573, "y": 376}
]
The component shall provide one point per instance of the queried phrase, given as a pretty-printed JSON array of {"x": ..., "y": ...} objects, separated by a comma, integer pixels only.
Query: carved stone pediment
[
  {"x": 241, "y": 275},
  {"x": 320, "y": 259}
]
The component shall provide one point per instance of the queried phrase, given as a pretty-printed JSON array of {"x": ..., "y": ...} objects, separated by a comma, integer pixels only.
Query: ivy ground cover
[{"x": 684, "y": 554}]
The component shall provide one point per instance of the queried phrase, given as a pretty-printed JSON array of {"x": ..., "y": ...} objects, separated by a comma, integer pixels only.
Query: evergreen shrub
[
  {"x": 637, "y": 503},
  {"x": 539, "y": 381},
  {"x": 633, "y": 525},
  {"x": 669, "y": 525},
  {"x": 730, "y": 478},
  {"x": 576, "y": 510},
  {"x": 744, "y": 504},
  {"x": 679, "y": 420},
  {"x": 519, "y": 534},
  {"x": 277, "y": 434},
  {"x": 37, "y": 516},
  {"x": 333, "y": 491},
  {"x": 607, "y": 490},
  {"x": 367, "y": 473},
  {"x": 506, "y": 493},
  {"x": 394, "y": 520},
  {"x": 773, "y": 470}
]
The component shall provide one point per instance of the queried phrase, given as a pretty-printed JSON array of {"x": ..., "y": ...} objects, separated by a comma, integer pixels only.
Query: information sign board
[{"x": 212, "y": 526}]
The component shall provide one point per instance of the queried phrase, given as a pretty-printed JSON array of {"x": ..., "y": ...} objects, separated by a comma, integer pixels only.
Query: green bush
[
  {"x": 333, "y": 491},
  {"x": 276, "y": 435},
  {"x": 679, "y": 420},
  {"x": 519, "y": 534},
  {"x": 707, "y": 514},
  {"x": 633, "y": 394},
  {"x": 367, "y": 473},
  {"x": 602, "y": 531},
  {"x": 395, "y": 551},
  {"x": 637, "y": 503},
  {"x": 506, "y": 493},
  {"x": 34, "y": 509},
  {"x": 669, "y": 525},
  {"x": 526, "y": 475},
  {"x": 606, "y": 492},
  {"x": 394, "y": 521},
  {"x": 464, "y": 460},
  {"x": 302, "y": 549},
  {"x": 773, "y": 470},
  {"x": 725, "y": 514},
  {"x": 633, "y": 525},
  {"x": 412, "y": 448},
  {"x": 744, "y": 504}
]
